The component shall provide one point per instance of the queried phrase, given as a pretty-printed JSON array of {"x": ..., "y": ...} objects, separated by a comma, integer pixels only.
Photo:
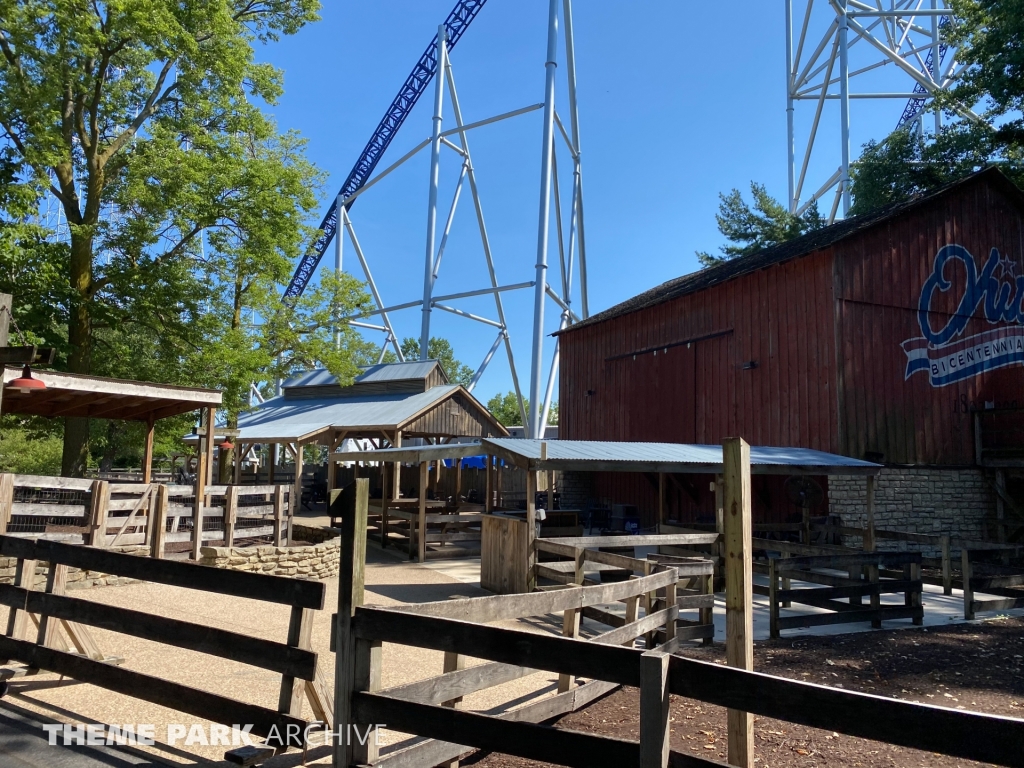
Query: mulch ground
[{"x": 969, "y": 666}]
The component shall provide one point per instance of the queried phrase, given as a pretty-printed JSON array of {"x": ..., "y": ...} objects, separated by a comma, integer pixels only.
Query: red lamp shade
[
  {"x": 227, "y": 445},
  {"x": 25, "y": 383}
]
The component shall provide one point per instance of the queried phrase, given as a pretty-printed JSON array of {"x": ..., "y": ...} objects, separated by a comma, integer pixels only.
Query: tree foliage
[
  {"x": 441, "y": 350},
  {"x": 505, "y": 408},
  {"x": 752, "y": 228},
  {"x": 185, "y": 205},
  {"x": 990, "y": 39}
]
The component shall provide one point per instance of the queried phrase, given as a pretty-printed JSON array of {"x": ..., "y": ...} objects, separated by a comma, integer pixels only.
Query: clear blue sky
[{"x": 678, "y": 101}]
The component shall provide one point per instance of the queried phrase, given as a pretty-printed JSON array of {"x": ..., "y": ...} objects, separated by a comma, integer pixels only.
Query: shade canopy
[
  {"x": 600, "y": 456},
  {"x": 72, "y": 394}
]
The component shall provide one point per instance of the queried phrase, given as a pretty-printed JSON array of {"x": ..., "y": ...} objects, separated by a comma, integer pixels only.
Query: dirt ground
[{"x": 976, "y": 666}]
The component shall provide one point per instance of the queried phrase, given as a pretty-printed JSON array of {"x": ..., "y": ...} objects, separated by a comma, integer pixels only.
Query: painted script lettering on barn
[{"x": 945, "y": 354}]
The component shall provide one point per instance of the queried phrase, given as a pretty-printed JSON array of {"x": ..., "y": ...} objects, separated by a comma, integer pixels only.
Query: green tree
[
  {"x": 440, "y": 350},
  {"x": 138, "y": 117},
  {"x": 989, "y": 35},
  {"x": 505, "y": 408},
  {"x": 750, "y": 229}
]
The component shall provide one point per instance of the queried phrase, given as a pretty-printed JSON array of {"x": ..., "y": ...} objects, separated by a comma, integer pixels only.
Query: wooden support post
[
  {"x": 332, "y": 465},
  {"x": 531, "y": 530},
  {"x": 720, "y": 525},
  {"x": 211, "y": 423},
  {"x": 237, "y": 455},
  {"x": 157, "y": 523},
  {"x": 6, "y": 500},
  {"x": 300, "y": 635},
  {"x": 654, "y": 710},
  {"x": 672, "y": 598},
  {"x": 458, "y": 482},
  {"x": 279, "y": 515},
  {"x": 707, "y": 615},
  {"x": 856, "y": 572},
  {"x": 550, "y": 479},
  {"x": 570, "y": 628},
  {"x": 421, "y": 518},
  {"x": 200, "y": 499},
  {"x": 632, "y": 614},
  {"x": 648, "y": 599},
  {"x": 453, "y": 662},
  {"x": 350, "y": 596},
  {"x": 296, "y": 506},
  {"x": 489, "y": 485},
  {"x": 661, "y": 498},
  {"x": 786, "y": 582},
  {"x": 55, "y": 582},
  {"x": 498, "y": 481},
  {"x": 24, "y": 577},
  {"x": 876, "y": 598},
  {"x": 99, "y": 504},
  {"x": 965, "y": 569},
  {"x": 397, "y": 443},
  {"x": 147, "y": 452},
  {"x": 869, "y": 532},
  {"x": 805, "y": 525},
  {"x": 1001, "y": 514},
  {"x": 947, "y": 566},
  {"x": 773, "y": 599},
  {"x": 912, "y": 597},
  {"x": 230, "y": 514},
  {"x": 739, "y": 601}
]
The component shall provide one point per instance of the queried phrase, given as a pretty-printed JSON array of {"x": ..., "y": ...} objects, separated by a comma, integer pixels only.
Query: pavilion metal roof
[
  {"x": 71, "y": 394},
  {"x": 407, "y": 371},
  {"x": 601, "y": 456}
]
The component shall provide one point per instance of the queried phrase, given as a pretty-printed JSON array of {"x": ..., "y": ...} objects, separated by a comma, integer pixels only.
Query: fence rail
[
  {"x": 991, "y": 579},
  {"x": 116, "y": 514}
]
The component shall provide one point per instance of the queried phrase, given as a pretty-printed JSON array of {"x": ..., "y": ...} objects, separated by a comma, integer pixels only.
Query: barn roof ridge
[{"x": 805, "y": 245}]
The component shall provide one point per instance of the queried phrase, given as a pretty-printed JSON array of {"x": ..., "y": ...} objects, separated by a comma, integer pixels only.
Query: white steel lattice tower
[{"x": 843, "y": 51}]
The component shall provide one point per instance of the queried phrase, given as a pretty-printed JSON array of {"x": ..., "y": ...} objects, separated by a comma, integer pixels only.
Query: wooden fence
[
  {"x": 105, "y": 514},
  {"x": 862, "y": 579},
  {"x": 459, "y": 628},
  {"x": 52, "y": 612},
  {"x": 992, "y": 579}
]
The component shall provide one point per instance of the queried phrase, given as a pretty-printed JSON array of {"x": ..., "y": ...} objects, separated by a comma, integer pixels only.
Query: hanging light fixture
[
  {"x": 227, "y": 445},
  {"x": 25, "y": 383}
]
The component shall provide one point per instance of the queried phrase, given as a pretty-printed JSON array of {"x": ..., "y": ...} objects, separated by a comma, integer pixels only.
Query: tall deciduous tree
[
  {"x": 441, "y": 350},
  {"x": 750, "y": 229},
  {"x": 138, "y": 117}
]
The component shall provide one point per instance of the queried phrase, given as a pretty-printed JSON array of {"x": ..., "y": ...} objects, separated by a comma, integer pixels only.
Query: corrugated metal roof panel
[
  {"x": 409, "y": 370},
  {"x": 283, "y": 419},
  {"x": 633, "y": 457}
]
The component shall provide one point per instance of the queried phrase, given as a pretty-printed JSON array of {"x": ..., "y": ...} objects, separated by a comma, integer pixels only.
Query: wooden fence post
[
  {"x": 230, "y": 514},
  {"x": 654, "y": 710},
  {"x": 100, "y": 501},
  {"x": 421, "y": 517},
  {"x": 773, "y": 599},
  {"x": 868, "y": 542},
  {"x": 965, "y": 567},
  {"x": 279, "y": 511},
  {"x": 300, "y": 634},
  {"x": 739, "y": 599},
  {"x": 6, "y": 500},
  {"x": 531, "y": 530},
  {"x": 24, "y": 577},
  {"x": 157, "y": 524},
  {"x": 876, "y": 597},
  {"x": 350, "y": 596},
  {"x": 947, "y": 566}
]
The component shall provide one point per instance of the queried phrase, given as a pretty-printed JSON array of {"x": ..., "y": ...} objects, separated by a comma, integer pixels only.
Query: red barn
[{"x": 881, "y": 337}]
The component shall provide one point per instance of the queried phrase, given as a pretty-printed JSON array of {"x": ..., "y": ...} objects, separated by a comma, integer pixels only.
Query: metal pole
[
  {"x": 552, "y": 375},
  {"x": 935, "y": 63},
  {"x": 435, "y": 162},
  {"x": 339, "y": 241},
  {"x": 574, "y": 125},
  {"x": 547, "y": 148},
  {"x": 790, "y": 138},
  {"x": 844, "y": 103},
  {"x": 369, "y": 281}
]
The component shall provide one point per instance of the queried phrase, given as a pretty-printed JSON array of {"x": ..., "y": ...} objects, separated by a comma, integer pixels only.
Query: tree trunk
[{"x": 76, "y": 428}]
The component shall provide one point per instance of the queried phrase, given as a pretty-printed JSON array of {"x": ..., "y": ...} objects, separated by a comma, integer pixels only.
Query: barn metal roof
[
  {"x": 801, "y": 246},
  {"x": 286, "y": 419},
  {"x": 600, "y": 456},
  {"x": 407, "y": 371}
]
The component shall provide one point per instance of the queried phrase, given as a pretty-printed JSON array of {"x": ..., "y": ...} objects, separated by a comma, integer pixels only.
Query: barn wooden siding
[
  {"x": 457, "y": 416},
  {"x": 681, "y": 371},
  {"x": 878, "y": 276}
]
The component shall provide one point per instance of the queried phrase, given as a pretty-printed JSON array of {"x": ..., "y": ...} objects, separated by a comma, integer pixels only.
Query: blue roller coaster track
[
  {"x": 916, "y": 105},
  {"x": 456, "y": 24}
]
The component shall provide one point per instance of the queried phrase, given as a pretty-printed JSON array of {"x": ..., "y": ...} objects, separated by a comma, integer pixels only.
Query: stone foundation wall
[
  {"x": 577, "y": 489},
  {"x": 919, "y": 500},
  {"x": 316, "y": 561},
  {"x": 76, "y": 578}
]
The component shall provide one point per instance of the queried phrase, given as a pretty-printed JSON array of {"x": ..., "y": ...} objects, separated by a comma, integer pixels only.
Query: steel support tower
[
  {"x": 559, "y": 224},
  {"x": 853, "y": 50}
]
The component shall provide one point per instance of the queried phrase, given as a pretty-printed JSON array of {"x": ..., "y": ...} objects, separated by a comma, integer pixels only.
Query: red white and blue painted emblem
[{"x": 945, "y": 353}]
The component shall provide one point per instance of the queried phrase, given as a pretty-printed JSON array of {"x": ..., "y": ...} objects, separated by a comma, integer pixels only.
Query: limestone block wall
[
  {"x": 919, "y": 500},
  {"x": 76, "y": 578},
  {"x": 315, "y": 561}
]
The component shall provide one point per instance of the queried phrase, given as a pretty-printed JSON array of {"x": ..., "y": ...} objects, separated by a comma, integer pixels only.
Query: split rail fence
[
  {"x": 458, "y": 628},
  {"x": 105, "y": 514},
  {"x": 52, "y": 612},
  {"x": 1004, "y": 582}
]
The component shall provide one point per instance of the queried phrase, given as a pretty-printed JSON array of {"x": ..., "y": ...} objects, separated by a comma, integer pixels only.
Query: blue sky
[{"x": 678, "y": 101}]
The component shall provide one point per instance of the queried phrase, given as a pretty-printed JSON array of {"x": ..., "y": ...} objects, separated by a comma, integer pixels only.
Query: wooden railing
[
  {"x": 106, "y": 514},
  {"x": 53, "y": 611},
  {"x": 991, "y": 579},
  {"x": 863, "y": 580}
]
